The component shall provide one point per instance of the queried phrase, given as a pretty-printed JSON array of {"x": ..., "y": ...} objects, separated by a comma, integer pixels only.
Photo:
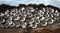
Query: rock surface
[{"x": 47, "y": 29}]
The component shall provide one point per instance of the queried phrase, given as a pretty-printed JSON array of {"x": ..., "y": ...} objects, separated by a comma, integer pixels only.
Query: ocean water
[{"x": 17, "y": 2}]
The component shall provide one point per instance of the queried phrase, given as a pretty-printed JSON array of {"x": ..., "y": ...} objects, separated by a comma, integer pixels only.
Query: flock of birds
[{"x": 28, "y": 16}]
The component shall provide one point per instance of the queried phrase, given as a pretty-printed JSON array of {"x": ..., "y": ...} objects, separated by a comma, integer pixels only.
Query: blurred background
[{"x": 17, "y": 2}]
